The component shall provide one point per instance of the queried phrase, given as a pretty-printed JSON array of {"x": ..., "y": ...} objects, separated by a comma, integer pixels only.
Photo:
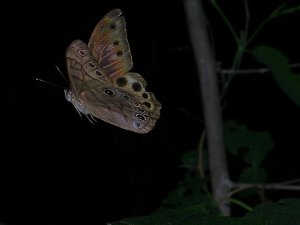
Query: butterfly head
[
  {"x": 77, "y": 103},
  {"x": 68, "y": 95}
]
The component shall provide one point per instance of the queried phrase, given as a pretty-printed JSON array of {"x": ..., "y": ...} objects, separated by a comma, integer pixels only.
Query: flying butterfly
[{"x": 101, "y": 85}]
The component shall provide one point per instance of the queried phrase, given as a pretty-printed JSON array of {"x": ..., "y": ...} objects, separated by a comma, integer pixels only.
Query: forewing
[
  {"x": 83, "y": 70},
  {"x": 109, "y": 44}
]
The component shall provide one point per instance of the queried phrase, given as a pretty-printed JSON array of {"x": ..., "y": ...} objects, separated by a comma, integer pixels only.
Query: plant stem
[{"x": 211, "y": 102}]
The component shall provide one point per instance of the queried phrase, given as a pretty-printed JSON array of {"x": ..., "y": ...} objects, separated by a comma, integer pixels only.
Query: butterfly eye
[
  {"x": 116, "y": 43},
  {"x": 147, "y": 104},
  {"x": 136, "y": 87},
  {"x": 121, "y": 81},
  {"x": 140, "y": 117},
  {"x": 97, "y": 72},
  {"x": 68, "y": 95},
  {"x": 112, "y": 26},
  {"x": 91, "y": 65},
  {"x": 109, "y": 92},
  {"x": 81, "y": 52},
  {"x": 145, "y": 95},
  {"x": 126, "y": 97},
  {"x": 119, "y": 53}
]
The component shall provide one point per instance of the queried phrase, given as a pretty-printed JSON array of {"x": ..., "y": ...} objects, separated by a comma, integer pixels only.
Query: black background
[{"x": 57, "y": 168}]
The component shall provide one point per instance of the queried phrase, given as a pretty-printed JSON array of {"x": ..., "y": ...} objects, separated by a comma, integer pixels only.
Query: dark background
[{"x": 57, "y": 168}]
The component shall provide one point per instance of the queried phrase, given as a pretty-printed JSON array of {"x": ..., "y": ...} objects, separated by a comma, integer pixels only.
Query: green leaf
[
  {"x": 188, "y": 193},
  {"x": 254, "y": 175},
  {"x": 278, "y": 64},
  {"x": 256, "y": 144},
  {"x": 179, "y": 216},
  {"x": 195, "y": 215},
  {"x": 285, "y": 212}
]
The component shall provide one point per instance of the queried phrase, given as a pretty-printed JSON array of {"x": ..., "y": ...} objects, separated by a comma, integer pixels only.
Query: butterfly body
[{"x": 101, "y": 84}]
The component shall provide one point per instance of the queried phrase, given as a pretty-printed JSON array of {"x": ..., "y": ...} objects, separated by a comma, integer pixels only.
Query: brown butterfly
[{"x": 101, "y": 84}]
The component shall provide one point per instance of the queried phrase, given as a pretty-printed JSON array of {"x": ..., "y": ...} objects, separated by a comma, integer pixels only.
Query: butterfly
[{"x": 101, "y": 85}]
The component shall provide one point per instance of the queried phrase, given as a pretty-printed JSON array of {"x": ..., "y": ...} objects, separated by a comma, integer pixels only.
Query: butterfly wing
[
  {"x": 83, "y": 70},
  {"x": 135, "y": 84},
  {"x": 100, "y": 83},
  {"x": 110, "y": 47},
  {"x": 84, "y": 75},
  {"x": 119, "y": 108},
  {"x": 93, "y": 93},
  {"x": 109, "y": 44}
]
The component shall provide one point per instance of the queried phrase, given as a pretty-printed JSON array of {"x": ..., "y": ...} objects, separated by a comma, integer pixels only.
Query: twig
[
  {"x": 251, "y": 71},
  {"x": 291, "y": 181},
  {"x": 211, "y": 102},
  {"x": 200, "y": 154},
  {"x": 268, "y": 186}
]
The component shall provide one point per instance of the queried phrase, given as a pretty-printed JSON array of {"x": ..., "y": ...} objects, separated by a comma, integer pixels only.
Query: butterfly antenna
[
  {"x": 61, "y": 73},
  {"x": 53, "y": 84},
  {"x": 47, "y": 82}
]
